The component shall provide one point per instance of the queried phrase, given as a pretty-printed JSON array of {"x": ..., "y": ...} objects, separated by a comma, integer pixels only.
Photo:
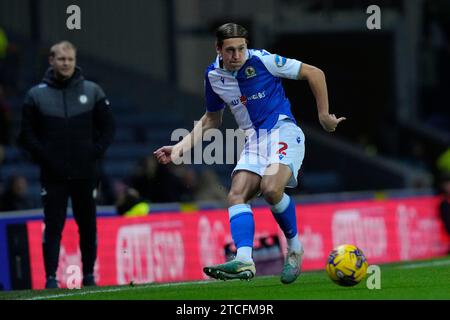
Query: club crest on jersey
[
  {"x": 280, "y": 61},
  {"x": 83, "y": 99},
  {"x": 250, "y": 72}
]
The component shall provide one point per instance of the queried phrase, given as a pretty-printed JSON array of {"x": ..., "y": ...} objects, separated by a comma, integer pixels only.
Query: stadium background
[{"x": 381, "y": 168}]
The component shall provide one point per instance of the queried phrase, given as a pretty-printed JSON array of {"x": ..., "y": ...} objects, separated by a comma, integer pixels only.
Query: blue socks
[
  {"x": 284, "y": 213},
  {"x": 243, "y": 227},
  {"x": 242, "y": 230}
]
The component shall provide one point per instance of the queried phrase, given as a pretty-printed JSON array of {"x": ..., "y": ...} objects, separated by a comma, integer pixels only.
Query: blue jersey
[{"x": 254, "y": 93}]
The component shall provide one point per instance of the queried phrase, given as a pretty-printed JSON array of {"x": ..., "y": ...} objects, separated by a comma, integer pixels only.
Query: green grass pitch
[{"x": 426, "y": 279}]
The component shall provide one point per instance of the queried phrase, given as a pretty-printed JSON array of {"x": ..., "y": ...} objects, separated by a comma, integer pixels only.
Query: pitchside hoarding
[{"x": 173, "y": 246}]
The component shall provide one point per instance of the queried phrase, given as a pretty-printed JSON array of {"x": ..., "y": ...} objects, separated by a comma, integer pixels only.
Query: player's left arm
[{"x": 317, "y": 83}]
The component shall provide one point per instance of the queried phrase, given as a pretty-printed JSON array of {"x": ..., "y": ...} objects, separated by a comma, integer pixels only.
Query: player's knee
[
  {"x": 235, "y": 198},
  {"x": 272, "y": 194}
]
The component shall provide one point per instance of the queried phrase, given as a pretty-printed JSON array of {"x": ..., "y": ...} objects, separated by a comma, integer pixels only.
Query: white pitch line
[
  {"x": 145, "y": 286},
  {"x": 83, "y": 293},
  {"x": 174, "y": 284},
  {"x": 424, "y": 264}
]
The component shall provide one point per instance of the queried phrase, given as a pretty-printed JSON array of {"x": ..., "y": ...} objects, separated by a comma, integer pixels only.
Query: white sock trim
[
  {"x": 238, "y": 208},
  {"x": 282, "y": 205},
  {"x": 294, "y": 244},
  {"x": 244, "y": 254}
]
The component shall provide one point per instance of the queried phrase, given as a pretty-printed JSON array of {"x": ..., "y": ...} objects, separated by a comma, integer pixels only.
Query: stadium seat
[
  {"x": 13, "y": 155},
  {"x": 119, "y": 169},
  {"x": 124, "y": 135},
  {"x": 29, "y": 171},
  {"x": 130, "y": 152},
  {"x": 323, "y": 181}
]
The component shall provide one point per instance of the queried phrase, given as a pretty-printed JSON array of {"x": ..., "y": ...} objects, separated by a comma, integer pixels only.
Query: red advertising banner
[{"x": 173, "y": 246}]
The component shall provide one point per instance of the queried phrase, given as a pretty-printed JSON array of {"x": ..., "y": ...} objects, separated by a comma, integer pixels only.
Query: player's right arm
[
  {"x": 293, "y": 69},
  {"x": 169, "y": 154},
  {"x": 211, "y": 119}
]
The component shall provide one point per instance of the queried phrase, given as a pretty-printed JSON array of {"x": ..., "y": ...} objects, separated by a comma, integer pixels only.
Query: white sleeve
[{"x": 279, "y": 66}]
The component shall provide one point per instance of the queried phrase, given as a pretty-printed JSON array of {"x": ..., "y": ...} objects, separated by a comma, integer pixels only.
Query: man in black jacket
[{"x": 67, "y": 125}]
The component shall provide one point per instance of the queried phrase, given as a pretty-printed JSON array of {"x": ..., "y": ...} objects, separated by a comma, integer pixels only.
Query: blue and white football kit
[{"x": 258, "y": 102}]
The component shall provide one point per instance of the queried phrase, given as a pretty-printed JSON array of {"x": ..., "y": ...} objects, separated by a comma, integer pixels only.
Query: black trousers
[{"x": 55, "y": 196}]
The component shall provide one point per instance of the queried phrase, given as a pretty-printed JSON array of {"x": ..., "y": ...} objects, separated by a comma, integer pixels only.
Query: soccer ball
[{"x": 346, "y": 265}]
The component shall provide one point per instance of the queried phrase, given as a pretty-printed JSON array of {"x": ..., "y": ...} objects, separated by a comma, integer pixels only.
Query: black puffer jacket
[{"x": 66, "y": 127}]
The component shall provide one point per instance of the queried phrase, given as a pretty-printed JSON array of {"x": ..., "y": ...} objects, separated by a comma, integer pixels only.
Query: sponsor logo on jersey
[
  {"x": 256, "y": 96},
  {"x": 250, "y": 72},
  {"x": 240, "y": 100},
  {"x": 280, "y": 61},
  {"x": 243, "y": 99}
]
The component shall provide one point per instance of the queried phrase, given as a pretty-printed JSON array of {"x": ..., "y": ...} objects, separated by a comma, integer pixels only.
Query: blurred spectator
[
  {"x": 2, "y": 157},
  {"x": 444, "y": 206},
  {"x": 131, "y": 204},
  {"x": 106, "y": 194},
  {"x": 414, "y": 154},
  {"x": 9, "y": 63},
  {"x": 443, "y": 162},
  {"x": 189, "y": 183},
  {"x": 15, "y": 196},
  {"x": 3, "y": 43},
  {"x": 5, "y": 119},
  {"x": 199, "y": 185},
  {"x": 156, "y": 182},
  {"x": 210, "y": 188}
]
